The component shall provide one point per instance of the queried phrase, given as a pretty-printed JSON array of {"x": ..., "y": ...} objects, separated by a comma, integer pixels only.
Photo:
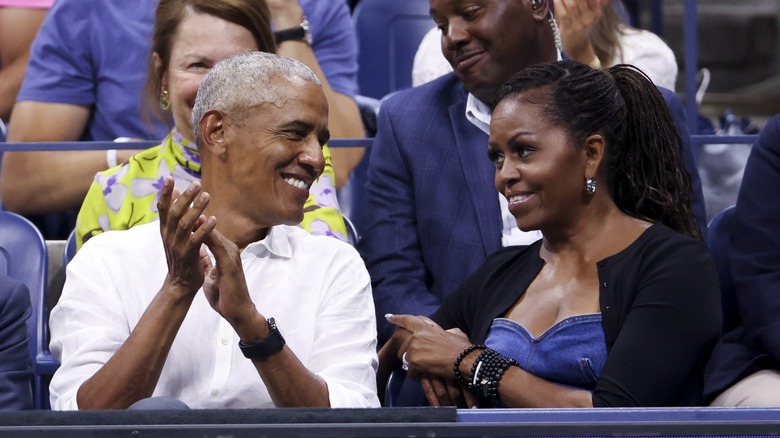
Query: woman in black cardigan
[{"x": 618, "y": 304}]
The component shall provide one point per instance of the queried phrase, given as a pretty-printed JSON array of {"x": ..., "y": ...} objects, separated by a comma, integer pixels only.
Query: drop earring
[
  {"x": 590, "y": 185},
  {"x": 165, "y": 100}
]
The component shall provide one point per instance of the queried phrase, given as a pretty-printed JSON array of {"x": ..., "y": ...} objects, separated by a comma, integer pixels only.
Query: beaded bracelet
[
  {"x": 507, "y": 362},
  {"x": 456, "y": 364},
  {"x": 486, "y": 374},
  {"x": 482, "y": 367}
]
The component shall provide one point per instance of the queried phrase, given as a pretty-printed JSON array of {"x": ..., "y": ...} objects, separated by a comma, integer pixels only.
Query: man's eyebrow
[{"x": 296, "y": 125}]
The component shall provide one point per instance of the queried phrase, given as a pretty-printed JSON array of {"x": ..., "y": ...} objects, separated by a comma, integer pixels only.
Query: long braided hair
[{"x": 644, "y": 157}]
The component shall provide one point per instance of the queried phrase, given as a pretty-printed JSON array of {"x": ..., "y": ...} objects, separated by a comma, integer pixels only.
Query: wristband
[
  {"x": 111, "y": 158},
  {"x": 456, "y": 365}
]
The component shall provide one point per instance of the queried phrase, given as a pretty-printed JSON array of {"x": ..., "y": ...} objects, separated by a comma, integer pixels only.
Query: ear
[
  {"x": 540, "y": 9},
  {"x": 594, "y": 148},
  {"x": 212, "y": 133},
  {"x": 157, "y": 69}
]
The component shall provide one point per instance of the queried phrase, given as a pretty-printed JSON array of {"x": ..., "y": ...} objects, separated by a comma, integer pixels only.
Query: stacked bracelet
[
  {"x": 456, "y": 365},
  {"x": 486, "y": 374}
]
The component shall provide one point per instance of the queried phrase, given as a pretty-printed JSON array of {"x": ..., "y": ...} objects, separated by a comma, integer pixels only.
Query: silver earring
[
  {"x": 590, "y": 185},
  {"x": 556, "y": 32}
]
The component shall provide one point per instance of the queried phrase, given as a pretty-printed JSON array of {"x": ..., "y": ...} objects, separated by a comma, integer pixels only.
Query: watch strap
[
  {"x": 266, "y": 347},
  {"x": 301, "y": 32}
]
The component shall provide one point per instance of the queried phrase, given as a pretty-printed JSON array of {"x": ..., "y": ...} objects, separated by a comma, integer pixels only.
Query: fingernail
[{"x": 388, "y": 315}]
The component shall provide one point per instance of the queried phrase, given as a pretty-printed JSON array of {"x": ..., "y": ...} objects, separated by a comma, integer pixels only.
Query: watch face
[{"x": 306, "y": 30}]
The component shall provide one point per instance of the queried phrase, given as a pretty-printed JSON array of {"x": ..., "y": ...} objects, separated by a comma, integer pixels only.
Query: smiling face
[
  {"x": 201, "y": 41},
  {"x": 538, "y": 167},
  {"x": 274, "y": 154},
  {"x": 486, "y": 41}
]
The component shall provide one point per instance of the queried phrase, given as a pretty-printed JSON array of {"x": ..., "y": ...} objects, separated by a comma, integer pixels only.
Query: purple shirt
[{"x": 96, "y": 52}]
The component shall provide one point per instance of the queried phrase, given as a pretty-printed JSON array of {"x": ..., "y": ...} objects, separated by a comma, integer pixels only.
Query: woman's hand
[
  {"x": 576, "y": 20},
  {"x": 184, "y": 229},
  {"x": 446, "y": 392},
  {"x": 429, "y": 350}
]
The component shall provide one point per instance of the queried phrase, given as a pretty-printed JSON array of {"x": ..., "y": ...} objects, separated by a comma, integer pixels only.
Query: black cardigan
[{"x": 660, "y": 305}]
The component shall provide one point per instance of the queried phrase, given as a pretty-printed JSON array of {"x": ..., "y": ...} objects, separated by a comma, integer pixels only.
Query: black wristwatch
[
  {"x": 300, "y": 33},
  {"x": 264, "y": 348}
]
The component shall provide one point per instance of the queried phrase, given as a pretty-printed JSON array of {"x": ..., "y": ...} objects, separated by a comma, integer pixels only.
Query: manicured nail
[{"x": 388, "y": 315}]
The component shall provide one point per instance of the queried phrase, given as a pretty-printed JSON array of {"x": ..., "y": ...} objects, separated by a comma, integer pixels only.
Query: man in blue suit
[
  {"x": 15, "y": 374},
  {"x": 432, "y": 212},
  {"x": 745, "y": 366}
]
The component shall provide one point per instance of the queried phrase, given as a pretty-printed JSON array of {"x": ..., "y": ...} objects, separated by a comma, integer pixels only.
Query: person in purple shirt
[{"x": 87, "y": 69}]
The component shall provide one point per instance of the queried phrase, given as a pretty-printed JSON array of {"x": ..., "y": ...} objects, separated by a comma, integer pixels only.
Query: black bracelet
[
  {"x": 480, "y": 368},
  {"x": 456, "y": 364},
  {"x": 506, "y": 363},
  {"x": 486, "y": 374}
]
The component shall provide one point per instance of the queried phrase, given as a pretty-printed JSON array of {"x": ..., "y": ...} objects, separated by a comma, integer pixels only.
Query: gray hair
[{"x": 243, "y": 81}]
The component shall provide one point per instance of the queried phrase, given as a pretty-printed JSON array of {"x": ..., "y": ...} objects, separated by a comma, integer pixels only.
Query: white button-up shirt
[{"x": 317, "y": 288}]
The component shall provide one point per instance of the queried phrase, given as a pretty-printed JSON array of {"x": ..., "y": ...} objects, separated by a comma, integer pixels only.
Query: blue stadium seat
[
  {"x": 23, "y": 256},
  {"x": 718, "y": 236},
  {"x": 70, "y": 248},
  {"x": 388, "y": 32}
]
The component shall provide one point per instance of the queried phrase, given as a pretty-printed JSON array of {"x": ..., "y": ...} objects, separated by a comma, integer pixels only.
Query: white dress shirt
[{"x": 316, "y": 287}]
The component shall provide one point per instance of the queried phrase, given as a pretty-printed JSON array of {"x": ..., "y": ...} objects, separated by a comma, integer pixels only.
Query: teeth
[
  {"x": 517, "y": 198},
  {"x": 297, "y": 183}
]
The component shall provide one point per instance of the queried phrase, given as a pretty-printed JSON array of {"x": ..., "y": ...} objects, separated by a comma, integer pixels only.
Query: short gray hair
[{"x": 243, "y": 81}]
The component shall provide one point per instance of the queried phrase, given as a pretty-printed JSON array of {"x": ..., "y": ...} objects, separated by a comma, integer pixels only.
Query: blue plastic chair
[
  {"x": 23, "y": 256},
  {"x": 70, "y": 248},
  {"x": 388, "y": 33},
  {"x": 718, "y": 236}
]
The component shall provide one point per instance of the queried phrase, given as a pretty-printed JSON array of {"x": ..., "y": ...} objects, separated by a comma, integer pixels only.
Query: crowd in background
[{"x": 535, "y": 232}]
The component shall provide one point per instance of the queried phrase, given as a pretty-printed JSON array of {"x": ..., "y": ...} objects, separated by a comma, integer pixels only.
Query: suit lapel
[{"x": 478, "y": 172}]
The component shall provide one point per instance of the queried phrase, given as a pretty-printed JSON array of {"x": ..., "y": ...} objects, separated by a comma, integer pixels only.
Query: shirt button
[
  {"x": 214, "y": 392},
  {"x": 608, "y": 308},
  {"x": 604, "y": 284},
  {"x": 225, "y": 341}
]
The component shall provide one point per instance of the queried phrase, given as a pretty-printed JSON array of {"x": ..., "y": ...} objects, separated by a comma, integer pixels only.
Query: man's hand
[
  {"x": 184, "y": 228},
  {"x": 225, "y": 287}
]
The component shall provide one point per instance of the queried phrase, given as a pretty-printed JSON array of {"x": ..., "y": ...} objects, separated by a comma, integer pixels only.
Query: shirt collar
[
  {"x": 478, "y": 113},
  {"x": 276, "y": 242},
  {"x": 185, "y": 153}
]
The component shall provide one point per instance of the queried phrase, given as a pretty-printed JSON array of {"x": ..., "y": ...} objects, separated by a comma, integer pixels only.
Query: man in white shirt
[{"x": 173, "y": 309}]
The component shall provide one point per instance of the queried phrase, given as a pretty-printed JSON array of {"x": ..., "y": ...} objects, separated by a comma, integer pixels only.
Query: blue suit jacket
[
  {"x": 432, "y": 214},
  {"x": 754, "y": 253},
  {"x": 15, "y": 373}
]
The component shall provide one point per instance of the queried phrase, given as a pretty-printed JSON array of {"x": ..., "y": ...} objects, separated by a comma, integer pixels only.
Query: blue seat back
[
  {"x": 388, "y": 33},
  {"x": 70, "y": 248},
  {"x": 719, "y": 232},
  {"x": 23, "y": 256}
]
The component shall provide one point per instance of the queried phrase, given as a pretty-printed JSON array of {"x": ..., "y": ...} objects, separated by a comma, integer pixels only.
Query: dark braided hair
[{"x": 644, "y": 154}]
